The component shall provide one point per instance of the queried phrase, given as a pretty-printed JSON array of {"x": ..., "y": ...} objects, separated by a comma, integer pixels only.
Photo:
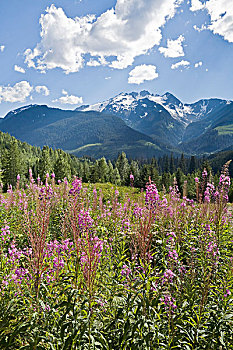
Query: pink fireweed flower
[
  {"x": 204, "y": 173},
  {"x": 227, "y": 293},
  {"x": 168, "y": 274},
  {"x": 173, "y": 254},
  {"x": 152, "y": 195},
  {"x": 76, "y": 186},
  {"x": 169, "y": 302},
  {"x": 126, "y": 271}
]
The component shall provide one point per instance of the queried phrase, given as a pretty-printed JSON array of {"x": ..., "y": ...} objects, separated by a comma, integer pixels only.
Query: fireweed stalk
[
  {"x": 143, "y": 235},
  {"x": 36, "y": 226},
  {"x": 169, "y": 295}
]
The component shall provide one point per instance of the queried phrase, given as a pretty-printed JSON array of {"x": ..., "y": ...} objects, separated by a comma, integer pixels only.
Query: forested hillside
[{"x": 18, "y": 157}]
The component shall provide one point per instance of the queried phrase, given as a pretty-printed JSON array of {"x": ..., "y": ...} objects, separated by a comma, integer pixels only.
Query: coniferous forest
[{"x": 18, "y": 157}]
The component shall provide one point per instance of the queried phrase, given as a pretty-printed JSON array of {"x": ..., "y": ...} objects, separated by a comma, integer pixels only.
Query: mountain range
[{"x": 141, "y": 124}]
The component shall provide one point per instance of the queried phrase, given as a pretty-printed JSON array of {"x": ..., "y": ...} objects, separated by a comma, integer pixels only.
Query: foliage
[{"x": 96, "y": 266}]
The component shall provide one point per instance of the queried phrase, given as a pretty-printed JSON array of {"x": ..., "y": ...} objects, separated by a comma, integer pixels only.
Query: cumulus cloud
[
  {"x": 180, "y": 64},
  {"x": 199, "y": 29},
  {"x": 42, "y": 89},
  {"x": 69, "y": 99},
  {"x": 17, "y": 93},
  {"x": 221, "y": 17},
  {"x": 114, "y": 38},
  {"x": 2, "y": 48},
  {"x": 174, "y": 48},
  {"x": 142, "y": 73},
  {"x": 93, "y": 63},
  {"x": 19, "y": 69},
  {"x": 198, "y": 64},
  {"x": 196, "y": 5}
]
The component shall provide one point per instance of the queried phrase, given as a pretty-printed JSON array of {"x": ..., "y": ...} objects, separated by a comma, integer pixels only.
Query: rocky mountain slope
[
  {"x": 141, "y": 124},
  {"x": 81, "y": 133},
  {"x": 181, "y": 125}
]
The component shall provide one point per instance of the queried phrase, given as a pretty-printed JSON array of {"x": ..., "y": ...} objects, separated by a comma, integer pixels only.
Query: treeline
[{"x": 18, "y": 157}]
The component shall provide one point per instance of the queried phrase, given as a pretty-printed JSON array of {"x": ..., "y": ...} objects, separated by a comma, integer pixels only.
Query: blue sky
[{"x": 70, "y": 52}]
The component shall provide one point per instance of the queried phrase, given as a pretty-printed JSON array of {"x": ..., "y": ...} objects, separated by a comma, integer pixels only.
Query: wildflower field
[{"x": 87, "y": 266}]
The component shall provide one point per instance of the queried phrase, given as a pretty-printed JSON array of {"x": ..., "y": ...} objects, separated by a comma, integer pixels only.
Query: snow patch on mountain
[{"x": 125, "y": 104}]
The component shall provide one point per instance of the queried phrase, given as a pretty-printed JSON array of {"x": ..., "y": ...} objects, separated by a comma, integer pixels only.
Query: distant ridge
[{"x": 140, "y": 123}]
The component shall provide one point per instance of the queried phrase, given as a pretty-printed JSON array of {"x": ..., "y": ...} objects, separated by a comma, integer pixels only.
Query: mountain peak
[
  {"x": 170, "y": 98},
  {"x": 144, "y": 93}
]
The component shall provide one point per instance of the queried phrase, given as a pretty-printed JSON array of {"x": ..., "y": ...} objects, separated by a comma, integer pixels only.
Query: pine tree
[
  {"x": 94, "y": 172},
  {"x": 110, "y": 171},
  {"x": 62, "y": 167},
  {"x": 172, "y": 165},
  {"x": 182, "y": 163},
  {"x": 116, "y": 177},
  {"x": 166, "y": 180},
  {"x": 11, "y": 164},
  {"x": 134, "y": 169},
  {"x": 103, "y": 170},
  {"x": 180, "y": 179},
  {"x": 45, "y": 163},
  {"x": 192, "y": 164},
  {"x": 122, "y": 165},
  {"x": 86, "y": 171},
  {"x": 166, "y": 164}
]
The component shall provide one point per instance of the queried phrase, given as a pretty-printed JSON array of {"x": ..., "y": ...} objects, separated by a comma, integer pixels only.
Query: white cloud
[
  {"x": 17, "y": 93},
  {"x": 221, "y": 14},
  {"x": 2, "y": 48},
  {"x": 179, "y": 64},
  {"x": 69, "y": 99},
  {"x": 199, "y": 29},
  {"x": 142, "y": 73},
  {"x": 196, "y": 5},
  {"x": 114, "y": 38},
  {"x": 19, "y": 69},
  {"x": 93, "y": 63},
  {"x": 198, "y": 64},
  {"x": 41, "y": 89},
  {"x": 107, "y": 78},
  {"x": 174, "y": 48},
  {"x": 221, "y": 17}
]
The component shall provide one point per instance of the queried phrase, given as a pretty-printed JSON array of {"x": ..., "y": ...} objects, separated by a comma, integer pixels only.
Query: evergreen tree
[
  {"x": 145, "y": 173},
  {"x": 62, "y": 167},
  {"x": 86, "y": 171},
  {"x": 122, "y": 165},
  {"x": 11, "y": 164},
  {"x": 172, "y": 165},
  {"x": 182, "y": 163},
  {"x": 45, "y": 163},
  {"x": 166, "y": 164},
  {"x": 134, "y": 169},
  {"x": 192, "y": 164},
  {"x": 103, "y": 170},
  {"x": 110, "y": 171},
  {"x": 166, "y": 180},
  {"x": 94, "y": 172},
  {"x": 180, "y": 179},
  {"x": 116, "y": 177}
]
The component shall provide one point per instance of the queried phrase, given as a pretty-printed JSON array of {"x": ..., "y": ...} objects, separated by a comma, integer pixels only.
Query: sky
[{"x": 65, "y": 53}]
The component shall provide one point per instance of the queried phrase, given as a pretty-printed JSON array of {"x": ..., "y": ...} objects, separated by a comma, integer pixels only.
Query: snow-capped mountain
[
  {"x": 162, "y": 117},
  {"x": 142, "y": 124},
  {"x": 126, "y": 105}
]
